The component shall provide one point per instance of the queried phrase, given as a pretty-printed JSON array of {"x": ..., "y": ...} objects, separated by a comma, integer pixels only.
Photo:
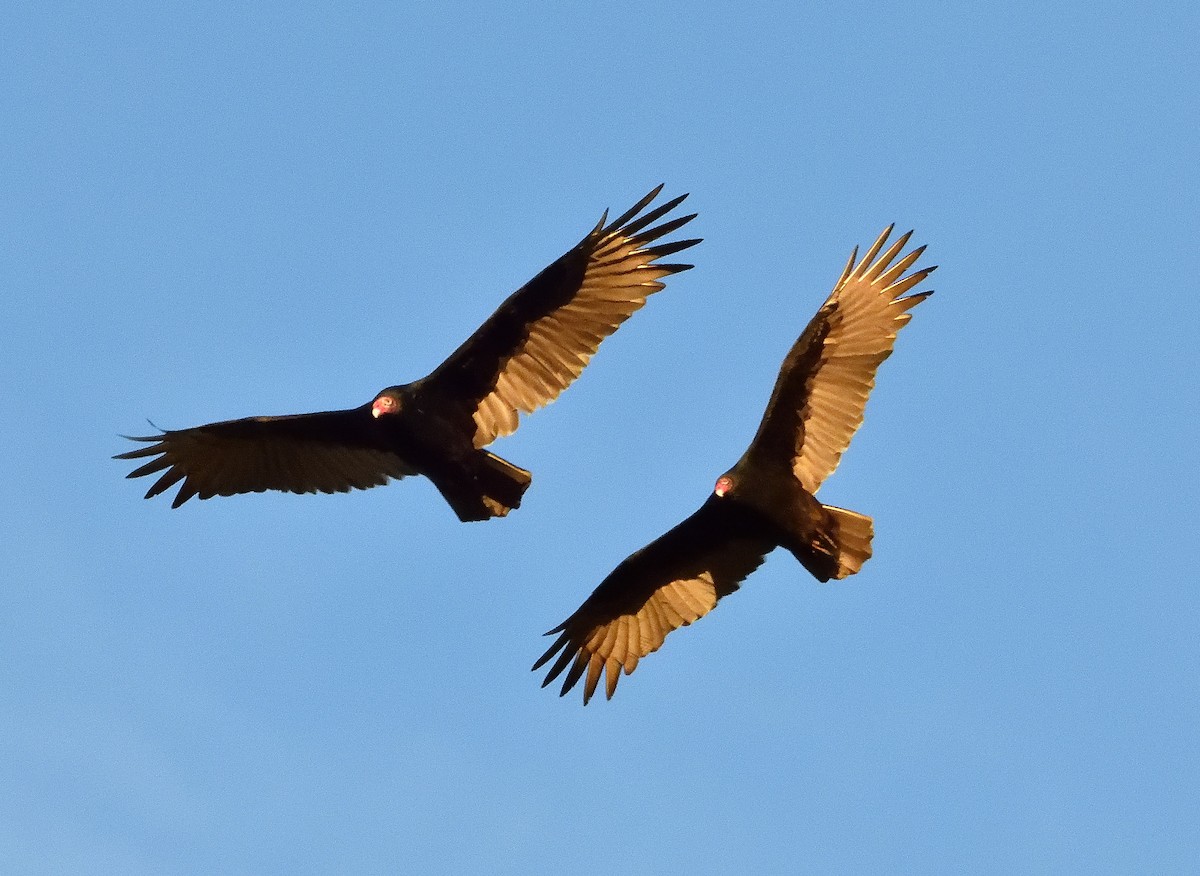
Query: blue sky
[{"x": 218, "y": 211}]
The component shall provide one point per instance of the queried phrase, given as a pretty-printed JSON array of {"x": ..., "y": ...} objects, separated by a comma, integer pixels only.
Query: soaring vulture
[
  {"x": 525, "y": 354},
  {"x": 767, "y": 499}
]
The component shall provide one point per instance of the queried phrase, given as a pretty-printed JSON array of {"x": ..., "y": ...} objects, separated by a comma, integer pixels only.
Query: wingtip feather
[
  {"x": 634, "y": 210},
  {"x": 869, "y": 257}
]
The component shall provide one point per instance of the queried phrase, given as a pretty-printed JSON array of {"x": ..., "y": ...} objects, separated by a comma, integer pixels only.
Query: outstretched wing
[
  {"x": 674, "y": 580},
  {"x": 822, "y": 389},
  {"x": 543, "y": 335},
  {"x": 329, "y": 452}
]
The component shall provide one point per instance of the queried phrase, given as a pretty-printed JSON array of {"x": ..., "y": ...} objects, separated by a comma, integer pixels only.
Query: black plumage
[
  {"x": 526, "y": 353},
  {"x": 767, "y": 499}
]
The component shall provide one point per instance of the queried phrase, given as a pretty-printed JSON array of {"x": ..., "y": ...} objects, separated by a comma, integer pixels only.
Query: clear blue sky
[{"x": 213, "y": 212}]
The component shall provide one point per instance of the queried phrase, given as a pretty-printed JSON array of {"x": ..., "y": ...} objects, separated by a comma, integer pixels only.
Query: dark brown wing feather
[
  {"x": 674, "y": 580},
  {"x": 822, "y": 389},
  {"x": 539, "y": 340},
  {"x": 329, "y": 452}
]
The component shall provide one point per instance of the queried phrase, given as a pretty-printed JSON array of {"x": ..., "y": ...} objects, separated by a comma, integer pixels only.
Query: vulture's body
[
  {"x": 768, "y": 498},
  {"x": 531, "y": 349}
]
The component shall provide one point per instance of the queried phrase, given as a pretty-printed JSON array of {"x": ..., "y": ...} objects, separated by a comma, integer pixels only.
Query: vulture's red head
[
  {"x": 385, "y": 404},
  {"x": 724, "y": 485}
]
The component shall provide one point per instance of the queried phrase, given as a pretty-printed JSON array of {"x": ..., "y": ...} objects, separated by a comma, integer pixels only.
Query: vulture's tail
[
  {"x": 503, "y": 484},
  {"x": 489, "y": 487},
  {"x": 854, "y": 532}
]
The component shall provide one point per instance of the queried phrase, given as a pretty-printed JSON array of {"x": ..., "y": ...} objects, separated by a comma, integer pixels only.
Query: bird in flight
[
  {"x": 525, "y": 354},
  {"x": 767, "y": 499}
]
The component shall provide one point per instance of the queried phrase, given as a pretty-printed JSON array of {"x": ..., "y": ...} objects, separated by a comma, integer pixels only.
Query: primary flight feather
[
  {"x": 766, "y": 500},
  {"x": 522, "y": 357}
]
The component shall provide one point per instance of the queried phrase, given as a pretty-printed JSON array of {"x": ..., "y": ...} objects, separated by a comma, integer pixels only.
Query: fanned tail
[
  {"x": 854, "y": 533},
  {"x": 488, "y": 487},
  {"x": 503, "y": 484}
]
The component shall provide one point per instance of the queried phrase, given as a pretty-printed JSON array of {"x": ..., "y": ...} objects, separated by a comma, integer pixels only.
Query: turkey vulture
[
  {"x": 521, "y": 358},
  {"x": 767, "y": 499}
]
